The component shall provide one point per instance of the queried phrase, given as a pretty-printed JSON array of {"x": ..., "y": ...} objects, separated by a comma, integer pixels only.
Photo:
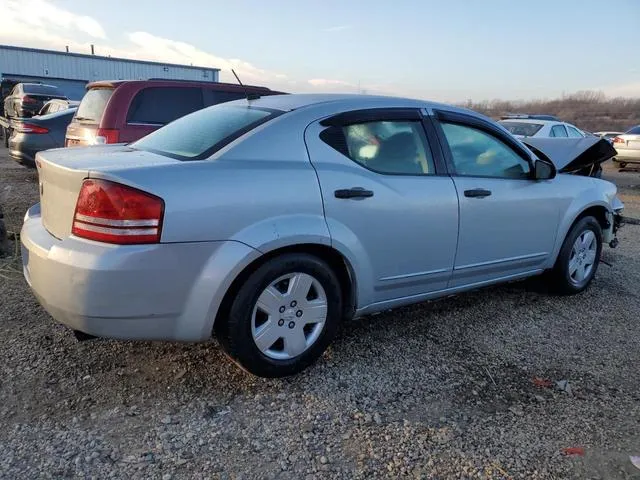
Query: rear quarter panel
[{"x": 262, "y": 192}]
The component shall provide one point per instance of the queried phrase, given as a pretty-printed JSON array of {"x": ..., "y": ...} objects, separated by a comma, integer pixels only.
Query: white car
[
  {"x": 608, "y": 135},
  {"x": 530, "y": 127}
]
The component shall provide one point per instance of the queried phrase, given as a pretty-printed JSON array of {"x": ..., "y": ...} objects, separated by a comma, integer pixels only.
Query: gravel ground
[{"x": 437, "y": 390}]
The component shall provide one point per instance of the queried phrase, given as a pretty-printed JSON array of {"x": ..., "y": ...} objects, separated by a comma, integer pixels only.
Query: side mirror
[{"x": 543, "y": 170}]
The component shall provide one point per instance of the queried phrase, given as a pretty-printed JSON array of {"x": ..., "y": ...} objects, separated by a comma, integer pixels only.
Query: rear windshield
[
  {"x": 522, "y": 128},
  {"x": 634, "y": 130},
  {"x": 93, "y": 104},
  {"x": 41, "y": 89},
  {"x": 200, "y": 134}
]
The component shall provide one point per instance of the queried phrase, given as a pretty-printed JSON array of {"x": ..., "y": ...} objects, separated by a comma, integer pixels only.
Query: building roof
[{"x": 118, "y": 59}]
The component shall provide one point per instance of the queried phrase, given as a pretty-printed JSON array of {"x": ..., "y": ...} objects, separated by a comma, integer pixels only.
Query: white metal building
[{"x": 71, "y": 71}]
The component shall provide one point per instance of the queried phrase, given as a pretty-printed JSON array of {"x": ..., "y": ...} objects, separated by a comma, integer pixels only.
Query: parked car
[
  {"x": 6, "y": 86},
  {"x": 26, "y": 99},
  {"x": 57, "y": 105},
  {"x": 33, "y": 135},
  {"x": 628, "y": 147},
  {"x": 267, "y": 222},
  {"x": 607, "y": 135},
  {"x": 127, "y": 110},
  {"x": 528, "y": 127},
  {"x": 512, "y": 116}
]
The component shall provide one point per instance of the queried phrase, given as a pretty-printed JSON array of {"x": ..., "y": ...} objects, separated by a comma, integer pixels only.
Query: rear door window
[
  {"x": 558, "y": 131},
  {"x": 93, "y": 104},
  {"x": 574, "y": 133},
  {"x": 396, "y": 147},
  {"x": 161, "y": 105},
  {"x": 213, "y": 97}
]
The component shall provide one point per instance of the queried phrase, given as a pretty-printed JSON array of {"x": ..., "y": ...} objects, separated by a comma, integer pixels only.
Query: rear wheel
[
  {"x": 623, "y": 164},
  {"x": 284, "y": 316},
  {"x": 579, "y": 257}
]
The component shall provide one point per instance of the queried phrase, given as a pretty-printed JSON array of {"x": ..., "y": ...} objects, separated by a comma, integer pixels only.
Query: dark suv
[
  {"x": 26, "y": 99},
  {"x": 127, "y": 110}
]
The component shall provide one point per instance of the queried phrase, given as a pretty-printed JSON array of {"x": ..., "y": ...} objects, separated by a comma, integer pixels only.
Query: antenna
[{"x": 250, "y": 96}]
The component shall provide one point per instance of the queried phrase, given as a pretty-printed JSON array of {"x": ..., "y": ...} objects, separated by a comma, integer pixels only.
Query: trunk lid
[
  {"x": 45, "y": 98},
  {"x": 80, "y": 134},
  {"x": 631, "y": 141},
  {"x": 62, "y": 171}
]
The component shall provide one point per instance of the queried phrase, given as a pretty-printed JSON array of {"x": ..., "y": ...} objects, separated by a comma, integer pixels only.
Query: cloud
[
  {"x": 324, "y": 82},
  {"x": 22, "y": 16},
  {"x": 42, "y": 24},
  {"x": 338, "y": 28},
  {"x": 150, "y": 47}
]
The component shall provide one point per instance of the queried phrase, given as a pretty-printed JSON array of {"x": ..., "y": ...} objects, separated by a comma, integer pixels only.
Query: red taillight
[
  {"x": 28, "y": 99},
  {"x": 114, "y": 213},
  {"x": 107, "y": 135},
  {"x": 30, "y": 128},
  {"x": 618, "y": 140}
]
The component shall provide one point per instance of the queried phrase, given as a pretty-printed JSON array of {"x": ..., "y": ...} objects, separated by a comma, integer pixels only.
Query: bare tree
[{"x": 588, "y": 109}]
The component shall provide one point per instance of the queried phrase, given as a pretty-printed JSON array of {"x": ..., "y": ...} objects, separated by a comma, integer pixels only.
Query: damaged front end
[
  {"x": 616, "y": 220},
  {"x": 578, "y": 156},
  {"x": 582, "y": 156}
]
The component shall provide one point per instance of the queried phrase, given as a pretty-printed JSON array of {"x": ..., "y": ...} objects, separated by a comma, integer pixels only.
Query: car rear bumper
[
  {"x": 627, "y": 155},
  {"x": 25, "y": 157},
  {"x": 23, "y": 147},
  {"x": 135, "y": 292}
]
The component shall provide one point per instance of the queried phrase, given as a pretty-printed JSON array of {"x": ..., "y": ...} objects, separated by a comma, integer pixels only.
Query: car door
[
  {"x": 508, "y": 221},
  {"x": 387, "y": 200}
]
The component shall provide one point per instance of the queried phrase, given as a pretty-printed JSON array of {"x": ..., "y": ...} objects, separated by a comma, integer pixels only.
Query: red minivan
[{"x": 123, "y": 111}]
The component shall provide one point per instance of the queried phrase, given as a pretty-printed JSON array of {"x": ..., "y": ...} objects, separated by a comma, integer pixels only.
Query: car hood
[{"x": 581, "y": 156}]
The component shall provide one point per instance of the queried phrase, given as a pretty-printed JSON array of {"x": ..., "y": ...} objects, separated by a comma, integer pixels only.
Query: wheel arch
[
  {"x": 336, "y": 261},
  {"x": 597, "y": 210}
]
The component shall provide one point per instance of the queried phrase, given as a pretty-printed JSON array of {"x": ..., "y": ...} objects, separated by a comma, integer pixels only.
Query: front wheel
[
  {"x": 579, "y": 257},
  {"x": 283, "y": 317}
]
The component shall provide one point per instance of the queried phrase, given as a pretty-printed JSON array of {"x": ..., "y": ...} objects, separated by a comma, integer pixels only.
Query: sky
[{"x": 447, "y": 50}]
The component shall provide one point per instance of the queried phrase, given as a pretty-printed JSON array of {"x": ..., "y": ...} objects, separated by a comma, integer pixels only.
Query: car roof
[
  {"x": 349, "y": 101},
  {"x": 531, "y": 120},
  {"x": 169, "y": 83},
  {"x": 38, "y": 84}
]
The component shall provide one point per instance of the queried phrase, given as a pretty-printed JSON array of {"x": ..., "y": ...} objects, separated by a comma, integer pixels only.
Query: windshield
[
  {"x": 93, "y": 104},
  {"x": 200, "y": 134},
  {"x": 522, "y": 128},
  {"x": 41, "y": 89}
]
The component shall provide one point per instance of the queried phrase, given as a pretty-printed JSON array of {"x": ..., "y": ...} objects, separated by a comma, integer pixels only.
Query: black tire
[
  {"x": 623, "y": 164},
  {"x": 235, "y": 332},
  {"x": 560, "y": 277}
]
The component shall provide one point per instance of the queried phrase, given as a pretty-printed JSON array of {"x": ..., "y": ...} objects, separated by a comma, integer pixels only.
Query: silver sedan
[{"x": 267, "y": 222}]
